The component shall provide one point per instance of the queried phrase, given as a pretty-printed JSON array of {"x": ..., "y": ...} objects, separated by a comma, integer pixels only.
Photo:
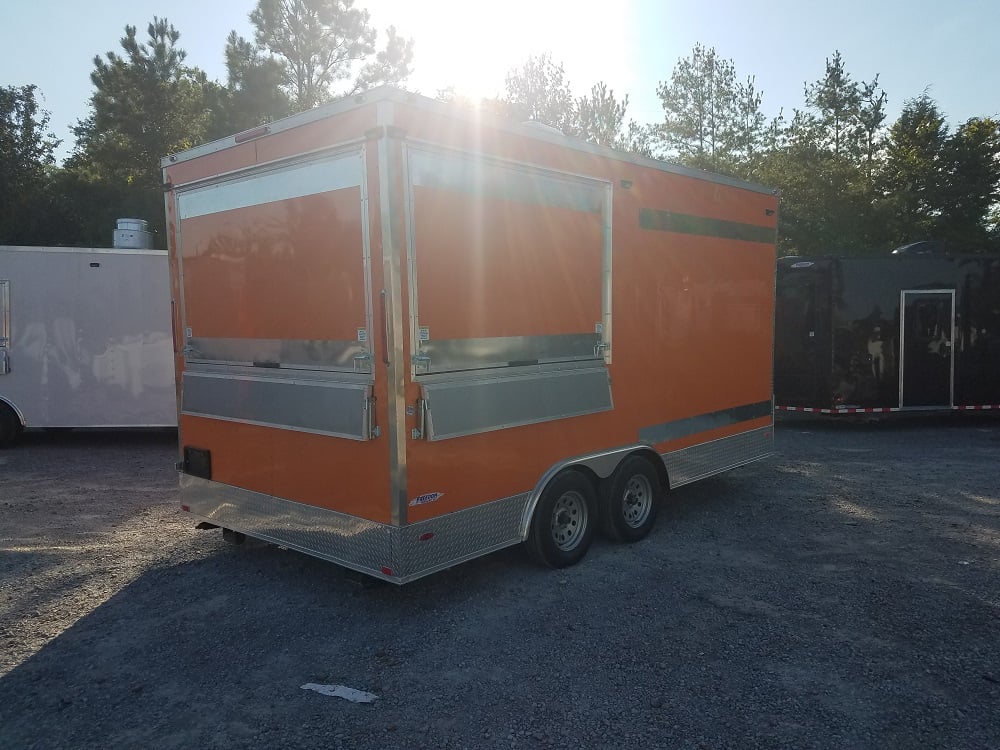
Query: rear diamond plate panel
[
  {"x": 409, "y": 552},
  {"x": 460, "y": 536},
  {"x": 356, "y": 543}
]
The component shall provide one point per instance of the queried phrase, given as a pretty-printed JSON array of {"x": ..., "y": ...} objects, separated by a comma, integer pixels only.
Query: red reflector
[
  {"x": 186, "y": 508},
  {"x": 387, "y": 571},
  {"x": 426, "y": 535}
]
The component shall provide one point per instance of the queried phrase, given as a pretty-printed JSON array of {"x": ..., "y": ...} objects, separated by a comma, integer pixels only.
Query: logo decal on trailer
[{"x": 429, "y": 497}]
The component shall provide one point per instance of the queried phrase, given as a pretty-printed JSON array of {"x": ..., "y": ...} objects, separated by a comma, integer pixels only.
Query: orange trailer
[{"x": 408, "y": 336}]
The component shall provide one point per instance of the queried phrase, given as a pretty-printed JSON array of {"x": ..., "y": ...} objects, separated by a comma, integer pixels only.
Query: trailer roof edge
[
  {"x": 394, "y": 94},
  {"x": 76, "y": 249}
]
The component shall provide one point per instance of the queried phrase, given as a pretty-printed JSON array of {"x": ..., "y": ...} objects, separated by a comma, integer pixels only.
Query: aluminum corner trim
[{"x": 398, "y": 367}]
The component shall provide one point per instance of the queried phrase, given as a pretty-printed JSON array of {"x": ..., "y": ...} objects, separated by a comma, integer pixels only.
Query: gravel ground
[{"x": 842, "y": 595}]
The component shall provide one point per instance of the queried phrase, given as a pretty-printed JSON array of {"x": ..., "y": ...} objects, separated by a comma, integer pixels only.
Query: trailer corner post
[{"x": 388, "y": 157}]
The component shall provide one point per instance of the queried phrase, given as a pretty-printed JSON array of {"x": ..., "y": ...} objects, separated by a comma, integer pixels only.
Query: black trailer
[{"x": 887, "y": 334}]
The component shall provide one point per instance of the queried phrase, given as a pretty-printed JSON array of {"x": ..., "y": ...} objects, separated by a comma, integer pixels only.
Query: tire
[
  {"x": 564, "y": 521},
  {"x": 10, "y": 426},
  {"x": 629, "y": 500}
]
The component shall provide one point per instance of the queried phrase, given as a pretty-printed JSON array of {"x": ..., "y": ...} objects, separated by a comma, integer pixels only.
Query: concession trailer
[
  {"x": 881, "y": 335},
  {"x": 85, "y": 338},
  {"x": 408, "y": 335}
]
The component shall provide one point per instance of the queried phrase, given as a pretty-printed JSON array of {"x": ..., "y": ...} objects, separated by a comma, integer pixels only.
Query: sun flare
[{"x": 471, "y": 46}]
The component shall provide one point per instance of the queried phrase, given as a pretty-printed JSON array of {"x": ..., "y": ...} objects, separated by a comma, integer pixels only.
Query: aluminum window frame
[{"x": 603, "y": 333}]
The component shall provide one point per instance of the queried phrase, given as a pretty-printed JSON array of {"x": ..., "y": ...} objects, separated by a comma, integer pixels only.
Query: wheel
[
  {"x": 10, "y": 426},
  {"x": 562, "y": 527},
  {"x": 629, "y": 500}
]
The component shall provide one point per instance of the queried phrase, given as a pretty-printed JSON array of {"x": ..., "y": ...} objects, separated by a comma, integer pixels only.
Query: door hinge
[
  {"x": 372, "y": 430},
  {"x": 420, "y": 431}
]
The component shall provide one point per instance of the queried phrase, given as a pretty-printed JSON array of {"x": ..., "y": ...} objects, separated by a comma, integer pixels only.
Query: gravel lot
[{"x": 844, "y": 594}]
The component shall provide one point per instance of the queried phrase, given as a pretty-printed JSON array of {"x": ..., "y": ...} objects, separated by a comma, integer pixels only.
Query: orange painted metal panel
[
  {"x": 692, "y": 323},
  {"x": 650, "y": 187},
  {"x": 233, "y": 158},
  {"x": 488, "y": 267},
  {"x": 476, "y": 469},
  {"x": 325, "y": 133},
  {"x": 347, "y": 476},
  {"x": 330, "y": 131},
  {"x": 290, "y": 269},
  {"x": 691, "y": 315}
]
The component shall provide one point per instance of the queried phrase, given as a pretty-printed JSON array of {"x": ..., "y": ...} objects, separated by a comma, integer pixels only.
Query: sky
[{"x": 945, "y": 49}]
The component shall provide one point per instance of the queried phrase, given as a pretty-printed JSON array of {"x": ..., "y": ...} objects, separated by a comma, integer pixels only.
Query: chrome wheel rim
[
  {"x": 637, "y": 502},
  {"x": 569, "y": 520}
]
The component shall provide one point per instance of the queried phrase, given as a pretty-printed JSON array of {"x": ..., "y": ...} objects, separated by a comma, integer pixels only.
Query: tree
[
  {"x": 147, "y": 104},
  {"x": 748, "y": 133},
  {"x": 254, "y": 93},
  {"x": 871, "y": 115},
  {"x": 600, "y": 116},
  {"x": 940, "y": 185},
  {"x": 826, "y": 162},
  {"x": 912, "y": 178},
  {"x": 836, "y": 98},
  {"x": 712, "y": 120},
  {"x": 698, "y": 103},
  {"x": 970, "y": 185},
  {"x": 27, "y": 149},
  {"x": 540, "y": 91},
  {"x": 322, "y": 42}
]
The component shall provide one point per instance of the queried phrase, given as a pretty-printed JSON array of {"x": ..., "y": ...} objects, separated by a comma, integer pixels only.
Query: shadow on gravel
[{"x": 842, "y": 594}]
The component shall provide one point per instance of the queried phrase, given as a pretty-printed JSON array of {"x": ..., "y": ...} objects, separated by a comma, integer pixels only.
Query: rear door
[
  {"x": 801, "y": 334},
  {"x": 277, "y": 317}
]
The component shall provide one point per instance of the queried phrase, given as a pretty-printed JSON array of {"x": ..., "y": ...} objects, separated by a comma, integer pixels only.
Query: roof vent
[{"x": 133, "y": 234}]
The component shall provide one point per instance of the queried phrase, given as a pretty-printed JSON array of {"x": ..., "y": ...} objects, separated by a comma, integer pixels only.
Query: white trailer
[{"x": 85, "y": 339}]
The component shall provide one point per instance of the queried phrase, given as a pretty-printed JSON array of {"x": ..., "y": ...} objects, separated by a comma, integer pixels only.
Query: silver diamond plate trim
[
  {"x": 700, "y": 461},
  {"x": 357, "y": 543},
  {"x": 460, "y": 536}
]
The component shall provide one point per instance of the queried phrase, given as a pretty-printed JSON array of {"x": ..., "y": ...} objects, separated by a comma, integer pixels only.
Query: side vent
[{"x": 198, "y": 462}]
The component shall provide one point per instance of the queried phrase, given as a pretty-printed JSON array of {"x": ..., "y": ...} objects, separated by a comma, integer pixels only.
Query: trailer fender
[
  {"x": 11, "y": 423},
  {"x": 597, "y": 466},
  {"x": 17, "y": 412}
]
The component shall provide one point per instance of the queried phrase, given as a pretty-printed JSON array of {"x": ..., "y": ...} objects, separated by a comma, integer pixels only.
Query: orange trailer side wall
[{"x": 692, "y": 314}]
